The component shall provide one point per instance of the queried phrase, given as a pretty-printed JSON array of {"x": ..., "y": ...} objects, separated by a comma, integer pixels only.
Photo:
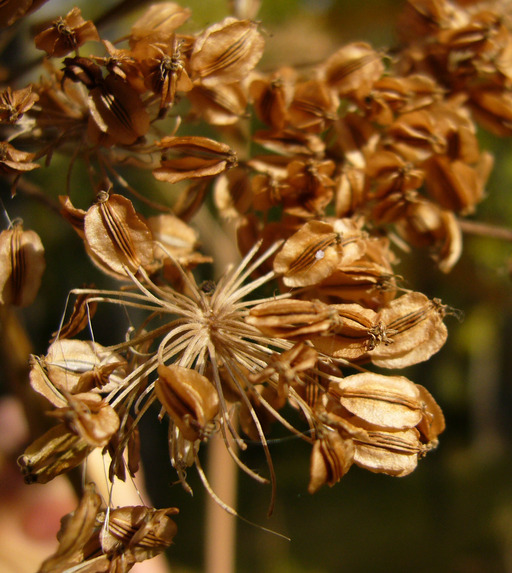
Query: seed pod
[
  {"x": 73, "y": 366},
  {"x": 88, "y": 416},
  {"x": 331, "y": 459},
  {"x": 288, "y": 365},
  {"x": 392, "y": 453},
  {"x": 291, "y": 319},
  {"x": 55, "y": 452},
  {"x": 353, "y": 69},
  {"x": 432, "y": 423},
  {"x": 272, "y": 96},
  {"x": 66, "y": 34},
  {"x": 14, "y": 103},
  {"x": 493, "y": 110},
  {"x": 189, "y": 398},
  {"x": 313, "y": 107},
  {"x": 158, "y": 22},
  {"x": 352, "y": 333},
  {"x": 15, "y": 161},
  {"x": 391, "y": 402},
  {"x": 455, "y": 185},
  {"x": 117, "y": 114},
  {"x": 137, "y": 532},
  {"x": 116, "y": 237},
  {"x": 314, "y": 251},
  {"x": 75, "y": 537},
  {"x": 226, "y": 52},
  {"x": 73, "y": 215},
  {"x": 219, "y": 105},
  {"x": 163, "y": 69},
  {"x": 414, "y": 331},
  {"x": 192, "y": 157},
  {"x": 83, "y": 311},
  {"x": 22, "y": 264}
]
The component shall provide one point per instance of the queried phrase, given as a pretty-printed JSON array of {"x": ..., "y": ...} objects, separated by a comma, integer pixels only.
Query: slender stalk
[
  {"x": 220, "y": 539},
  {"x": 485, "y": 230}
]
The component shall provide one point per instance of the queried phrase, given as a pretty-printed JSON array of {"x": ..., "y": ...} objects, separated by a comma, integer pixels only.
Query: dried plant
[{"x": 325, "y": 173}]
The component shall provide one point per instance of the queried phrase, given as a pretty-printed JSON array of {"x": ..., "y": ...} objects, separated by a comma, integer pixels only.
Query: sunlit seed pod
[
  {"x": 22, "y": 264},
  {"x": 140, "y": 532},
  {"x": 291, "y": 319},
  {"x": 54, "y": 453},
  {"x": 331, "y": 458},
  {"x": 414, "y": 330},
  {"x": 393, "y": 453},
  {"x": 226, "y": 52},
  {"x": 192, "y": 157},
  {"x": 392, "y": 402},
  {"x": 116, "y": 236},
  {"x": 189, "y": 398}
]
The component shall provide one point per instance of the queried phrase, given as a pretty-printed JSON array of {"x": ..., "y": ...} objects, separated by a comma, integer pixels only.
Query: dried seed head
[
  {"x": 313, "y": 107},
  {"x": 219, "y": 105},
  {"x": 432, "y": 423},
  {"x": 73, "y": 366},
  {"x": 415, "y": 329},
  {"x": 83, "y": 311},
  {"x": 272, "y": 96},
  {"x": 352, "y": 333},
  {"x": 117, "y": 114}
]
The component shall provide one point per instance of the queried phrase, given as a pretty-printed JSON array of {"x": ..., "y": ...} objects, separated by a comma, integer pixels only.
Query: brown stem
[
  {"x": 485, "y": 230},
  {"x": 33, "y": 191}
]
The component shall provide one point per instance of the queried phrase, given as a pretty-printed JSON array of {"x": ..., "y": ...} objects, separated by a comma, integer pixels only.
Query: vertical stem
[{"x": 220, "y": 538}]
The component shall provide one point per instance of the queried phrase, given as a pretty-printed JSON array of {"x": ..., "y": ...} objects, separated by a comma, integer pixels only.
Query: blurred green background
[{"x": 454, "y": 513}]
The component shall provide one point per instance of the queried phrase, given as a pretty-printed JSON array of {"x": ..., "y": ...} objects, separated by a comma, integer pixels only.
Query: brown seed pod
[
  {"x": 189, "y": 398},
  {"x": 226, "y": 52},
  {"x": 22, "y": 264},
  {"x": 116, "y": 237},
  {"x": 192, "y": 157},
  {"x": 65, "y": 35},
  {"x": 392, "y": 402},
  {"x": 54, "y": 453},
  {"x": 137, "y": 532},
  {"x": 331, "y": 459},
  {"x": 316, "y": 249},
  {"x": 291, "y": 319}
]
